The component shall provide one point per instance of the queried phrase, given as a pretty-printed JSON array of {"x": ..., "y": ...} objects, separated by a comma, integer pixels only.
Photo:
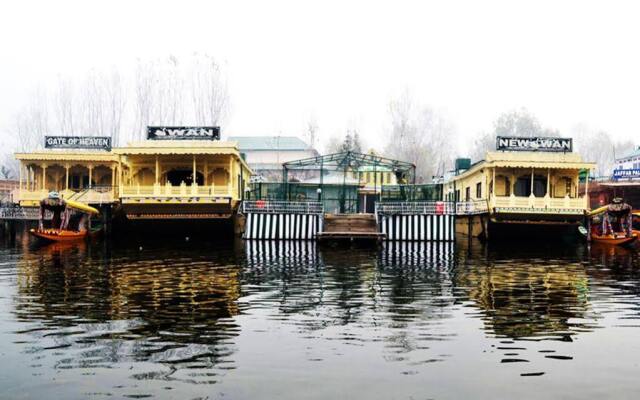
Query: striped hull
[
  {"x": 418, "y": 227},
  {"x": 282, "y": 226}
]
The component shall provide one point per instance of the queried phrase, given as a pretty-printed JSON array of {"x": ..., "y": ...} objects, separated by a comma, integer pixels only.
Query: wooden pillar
[
  {"x": 493, "y": 183},
  {"x": 90, "y": 175},
  {"x": 20, "y": 178},
  {"x": 193, "y": 177},
  {"x": 28, "y": 183},
  {"x": 157, "y": 171},
  {"x": 531, "y": 180},
  {"x": 230, "y": 174},
  {"x": 206, "y": 172},
  {"x": 548, "y": 181},
  {"x": 44, "y": 177},
  {"x": 66, "y": 178}
]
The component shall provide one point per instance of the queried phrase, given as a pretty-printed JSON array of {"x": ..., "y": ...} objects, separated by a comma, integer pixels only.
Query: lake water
[{"x": 175, "y": 319}]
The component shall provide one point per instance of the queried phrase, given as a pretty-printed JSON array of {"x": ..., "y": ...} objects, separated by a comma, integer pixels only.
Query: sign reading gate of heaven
[
  {"x": 78, "y": 142},
  {"x": 534, "y": 144},
  {"x": 183, "y": 132}
]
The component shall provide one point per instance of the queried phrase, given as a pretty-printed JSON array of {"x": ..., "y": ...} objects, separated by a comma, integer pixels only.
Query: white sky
[{"x": 566, "y": 61}]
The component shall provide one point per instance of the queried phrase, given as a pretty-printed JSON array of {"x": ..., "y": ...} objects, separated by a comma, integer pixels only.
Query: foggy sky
[{"x": 567, "y": 62}]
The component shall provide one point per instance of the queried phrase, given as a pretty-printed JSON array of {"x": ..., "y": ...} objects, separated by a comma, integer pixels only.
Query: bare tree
[
  {"x": 63, "y": 106},
  {"x": 208, "y": 91},
  {"x": 31, "y": 123},
  {"x": 144, "y": 100},
  {"x": 422, "y": 136},
  {"x": 511, "y": 123},
  {"x": 334, "y": 145},
  {"x": 597, "y": 146},
  {"x": 114, "y": 105},
  {"x": 311, "y": 133}
]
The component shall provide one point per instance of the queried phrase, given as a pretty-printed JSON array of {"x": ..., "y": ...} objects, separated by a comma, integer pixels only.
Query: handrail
[
  {"x": 282, "y": 207},
  {"x": 432, "y": 207}
]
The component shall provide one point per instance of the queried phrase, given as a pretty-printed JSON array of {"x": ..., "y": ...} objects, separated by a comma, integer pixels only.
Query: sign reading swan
[
  {"x": 78, "y": 142},
  {"x": 183, "y": 132},
  {"x": 512, "y": 143}
]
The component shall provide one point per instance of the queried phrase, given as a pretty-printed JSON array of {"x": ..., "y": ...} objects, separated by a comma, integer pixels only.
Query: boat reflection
[{"x": 159, "y": 306}]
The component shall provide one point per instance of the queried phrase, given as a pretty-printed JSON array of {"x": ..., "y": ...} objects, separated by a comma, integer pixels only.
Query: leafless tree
[
  {"x": 519, "y": 122},
  {"x": 63, "y": 106},
  {"x": 208, "y": 91},
  {"x": 144, "y": 100},
  {"x": 597, "y": 146},
  {"x": 311, "y": 133},
  {"x": 31, "y": 123},
  {"x": 422, "y": 136},
  {"x": 334, "y": 145},
  {"x": 114, "y": 104}
]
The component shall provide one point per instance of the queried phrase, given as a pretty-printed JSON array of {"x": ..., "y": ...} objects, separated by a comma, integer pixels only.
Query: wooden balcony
[
  {"x": 538, "y": 205},
  {"x": 165, "y": 192}
]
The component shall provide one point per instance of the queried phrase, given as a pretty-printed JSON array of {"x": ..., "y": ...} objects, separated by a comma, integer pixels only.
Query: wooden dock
[{"x": 341, "y": 227}]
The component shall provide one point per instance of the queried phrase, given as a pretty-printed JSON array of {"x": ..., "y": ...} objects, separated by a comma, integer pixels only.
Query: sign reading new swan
[
  {"x": 183, "y": 132},
  {"x": 534, "y": 144},
  {"x": 78, "y": 142}
]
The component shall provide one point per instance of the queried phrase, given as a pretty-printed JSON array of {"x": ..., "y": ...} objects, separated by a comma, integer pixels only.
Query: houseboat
[
  {"x": 524, "y": 184},
  {"x": 177, "y": 173}
]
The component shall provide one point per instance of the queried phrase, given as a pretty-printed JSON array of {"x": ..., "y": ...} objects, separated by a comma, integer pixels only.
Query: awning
[
  {"x": 540, "y": 165},
  {"x": 67, "y": 156}
]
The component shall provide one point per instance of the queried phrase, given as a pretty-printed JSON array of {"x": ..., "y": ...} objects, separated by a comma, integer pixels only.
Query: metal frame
[{"x": 348, "y": 161}]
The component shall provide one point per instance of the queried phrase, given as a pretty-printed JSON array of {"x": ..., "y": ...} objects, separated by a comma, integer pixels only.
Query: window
[
  {"x": 479, "y": 190},
  {"x": 467, "y": 194}
]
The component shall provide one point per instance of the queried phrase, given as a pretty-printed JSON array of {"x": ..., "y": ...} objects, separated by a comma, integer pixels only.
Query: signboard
[
  {"x": 78, "y": 142},
  {"x": 626, "y": 173},
  {"x": 547, "y": 144},
  {"x": 183, "y": 132}
]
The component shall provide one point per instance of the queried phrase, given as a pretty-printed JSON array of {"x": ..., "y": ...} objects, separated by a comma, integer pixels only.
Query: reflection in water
[
  {"x": 142, "y": 306},
  {"x": 202, "y": 320}
]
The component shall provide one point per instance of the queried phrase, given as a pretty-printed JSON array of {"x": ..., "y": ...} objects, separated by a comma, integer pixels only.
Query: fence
[
  {"x": 432, "y": 208},
  {"x": 426, "y": 192},
  {"x": 282, "y": 207}
]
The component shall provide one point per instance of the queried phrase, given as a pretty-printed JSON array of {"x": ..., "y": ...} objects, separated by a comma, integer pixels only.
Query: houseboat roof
[
  {"x": 146, "y": 147},
  {"x": 529, "y": 159},
  {"x": 68, "y": 155}
]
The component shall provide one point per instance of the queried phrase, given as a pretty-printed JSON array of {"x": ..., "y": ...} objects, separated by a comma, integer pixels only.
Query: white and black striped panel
[
  {"x": 416, "y": 254},
  {"x": 282, "y": 226},
  {"x": 418, "y": 227},
  {"x": 263, "y": 254}
]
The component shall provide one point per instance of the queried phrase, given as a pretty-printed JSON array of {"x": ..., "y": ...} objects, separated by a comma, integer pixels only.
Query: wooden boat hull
[
  {"x": 58, "y": 235},
  {"x": 614, "y": 240}
]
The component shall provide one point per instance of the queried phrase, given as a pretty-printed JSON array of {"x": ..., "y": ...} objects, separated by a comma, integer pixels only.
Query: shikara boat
[
  {"x": 71, "y": 220},
  {"x": 612, "y": 224}
]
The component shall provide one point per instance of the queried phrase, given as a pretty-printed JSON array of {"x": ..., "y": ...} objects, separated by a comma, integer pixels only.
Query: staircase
[{"x": 350, "y": 227}]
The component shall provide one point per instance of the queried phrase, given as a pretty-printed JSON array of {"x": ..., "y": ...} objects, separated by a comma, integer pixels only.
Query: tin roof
[
  {"x": 635, "y": 152},
  {"x": 265, "y": 143}
]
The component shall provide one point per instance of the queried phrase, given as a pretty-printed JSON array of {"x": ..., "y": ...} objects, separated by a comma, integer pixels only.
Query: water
[{"x": 138, "y": 319}]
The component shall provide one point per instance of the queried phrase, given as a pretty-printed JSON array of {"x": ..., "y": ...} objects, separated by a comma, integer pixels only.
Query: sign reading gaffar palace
[
  {"x": 512, "y": 143},
  {"x": 78, "y": 142},
  {"x": 183, "y": 132}
]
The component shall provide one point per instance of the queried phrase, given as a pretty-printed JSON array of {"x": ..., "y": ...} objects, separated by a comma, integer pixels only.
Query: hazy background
[{"x": 574, "y": 65}]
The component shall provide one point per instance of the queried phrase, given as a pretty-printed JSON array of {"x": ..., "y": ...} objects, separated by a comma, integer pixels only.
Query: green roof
[{"x": 269, "y": 143}]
